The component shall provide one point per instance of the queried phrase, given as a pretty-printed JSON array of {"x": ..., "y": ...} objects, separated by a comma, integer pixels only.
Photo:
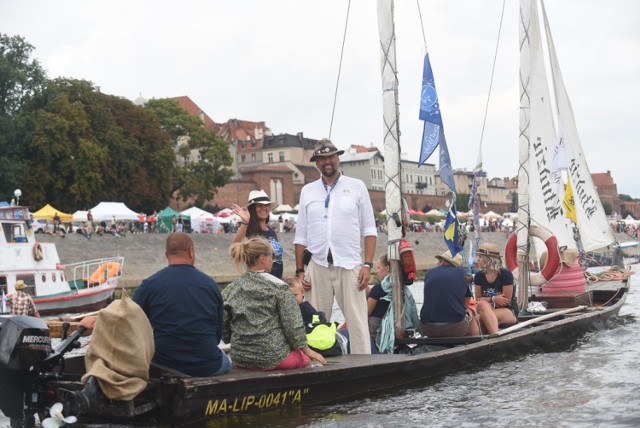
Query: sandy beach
[{"x": 144, "y": 253}]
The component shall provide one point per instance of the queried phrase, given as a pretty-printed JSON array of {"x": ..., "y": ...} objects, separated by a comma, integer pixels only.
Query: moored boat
[{"x": 54, "y": 287}]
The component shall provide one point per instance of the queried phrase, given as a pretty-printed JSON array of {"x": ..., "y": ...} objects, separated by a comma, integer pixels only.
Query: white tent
[
  {"x": 202, "y": 221},
  {"x": 105, "y": 211},
  {"x": 285, "y": 208},
  {"x": 491, "y": 214},
  {"x": 80, "y": 216}
]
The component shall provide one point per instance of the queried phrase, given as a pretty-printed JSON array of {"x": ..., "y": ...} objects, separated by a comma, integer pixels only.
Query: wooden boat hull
[{"x": 185, "y": 400}]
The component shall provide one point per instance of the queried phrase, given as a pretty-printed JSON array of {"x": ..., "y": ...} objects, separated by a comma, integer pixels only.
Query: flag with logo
[
  {"x": 451, "y": 231},
  {"x": 4, "y": 302},
  {"x": 433, "y": 130},
  {"x": 569, "y": 204}
]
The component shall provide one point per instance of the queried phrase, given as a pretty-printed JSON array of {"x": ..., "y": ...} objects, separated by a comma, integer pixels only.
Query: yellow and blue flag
[
  {"x": 451, "y": 231},
  {"x": 569, "y": 204}
]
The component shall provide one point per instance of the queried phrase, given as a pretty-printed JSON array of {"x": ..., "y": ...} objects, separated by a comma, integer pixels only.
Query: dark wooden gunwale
[{"x": 188, "y": 400}]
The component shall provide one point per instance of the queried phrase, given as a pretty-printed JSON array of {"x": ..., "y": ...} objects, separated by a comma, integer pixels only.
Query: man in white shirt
[{"x": 335, "y": 212}]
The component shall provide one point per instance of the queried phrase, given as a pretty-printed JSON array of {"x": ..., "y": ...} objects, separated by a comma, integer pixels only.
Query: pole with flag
[
  {"x": 4, "y": 303},
  {"x": 432, "y": 137}
]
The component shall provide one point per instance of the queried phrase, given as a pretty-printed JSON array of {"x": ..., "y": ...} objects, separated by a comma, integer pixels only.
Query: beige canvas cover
[{"x": 121, "y": 350}]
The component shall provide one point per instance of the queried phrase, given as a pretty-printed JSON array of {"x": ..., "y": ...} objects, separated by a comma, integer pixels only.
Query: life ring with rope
[
  {"x": 37, "y": 252},
  {"x": 550, "y": 241}
]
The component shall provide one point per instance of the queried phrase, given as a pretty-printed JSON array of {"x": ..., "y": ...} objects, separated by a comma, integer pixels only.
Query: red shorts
[{"x": 295, "y": 360}]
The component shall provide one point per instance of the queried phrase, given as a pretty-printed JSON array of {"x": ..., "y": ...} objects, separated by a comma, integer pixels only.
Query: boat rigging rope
[
  {"x": 335, "y": 95},
  {"x": 612, "y": 274}
]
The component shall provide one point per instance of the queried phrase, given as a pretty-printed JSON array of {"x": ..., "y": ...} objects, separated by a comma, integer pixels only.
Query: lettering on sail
[
  {"x": 552, "y": 205},
  {"x": 581, "y": 192}
]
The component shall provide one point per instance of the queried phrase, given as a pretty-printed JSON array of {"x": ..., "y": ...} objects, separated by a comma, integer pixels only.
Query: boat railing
[{"x": 92, "y": 273}]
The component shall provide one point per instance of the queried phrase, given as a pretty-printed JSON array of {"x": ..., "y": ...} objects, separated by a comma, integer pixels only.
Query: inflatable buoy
[
  {"x": 37, "y": 252},
  {"x": 550, "y": 241},
  {"x": 104, "y": 272}
]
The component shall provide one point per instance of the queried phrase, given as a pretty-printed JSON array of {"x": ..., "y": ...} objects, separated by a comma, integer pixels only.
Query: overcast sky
[{"x": 277, "y": 61}]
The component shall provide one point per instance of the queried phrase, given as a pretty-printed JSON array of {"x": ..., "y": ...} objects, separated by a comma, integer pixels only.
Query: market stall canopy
[
  {"x": 491, "y": 214},
  {"x": 434, "y": 213},
  {"x": 202, "y": 221},
  {"x": 105, "y": 211},
  {"x": 80, "y": 216},
  {"x": 49, "y": 212},
  {"x": 225, "y": 212},
  {"x": 285, "y": 208}
]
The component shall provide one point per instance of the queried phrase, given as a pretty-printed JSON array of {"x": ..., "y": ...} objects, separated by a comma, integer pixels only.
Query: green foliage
[
  {"x": 203, "y": 159},
  {"x": 20, "y": 79},
  {"x": 87, "y": 147},
  {"x": 513, "y": 207},
  {"x": 608, "y": 209},
  {"x": 462, "y": 201}
]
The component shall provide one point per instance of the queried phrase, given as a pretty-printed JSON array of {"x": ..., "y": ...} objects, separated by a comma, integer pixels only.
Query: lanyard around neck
[{"x": 328, "y": 189}]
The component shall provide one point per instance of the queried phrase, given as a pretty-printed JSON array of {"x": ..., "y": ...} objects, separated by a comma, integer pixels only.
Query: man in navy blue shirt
[
  {"x": 445, "y": 310},
  {"x": 184, "y": 307}
]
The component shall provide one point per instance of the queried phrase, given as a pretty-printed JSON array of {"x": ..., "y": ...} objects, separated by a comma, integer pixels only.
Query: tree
[
  {"x": 203, "y": 160},
  {"x": 513, "y": 207},
  {"x": 20, "y": 79},
  {"x": 608, "y": 209},
  {"x": 88, "y": 146}
]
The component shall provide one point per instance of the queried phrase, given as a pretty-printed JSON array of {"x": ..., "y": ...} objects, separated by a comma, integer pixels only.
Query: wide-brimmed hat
[
  {"x": 490, "y": 250},
  {"x": 325, "y": 148},
  {"x": 20, "y": 285},
  {"x": 455, "y": 261},
  {"x": 259, "y": 197}
]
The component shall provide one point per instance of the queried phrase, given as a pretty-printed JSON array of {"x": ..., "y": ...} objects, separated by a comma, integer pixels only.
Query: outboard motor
[{"x": 24, "y": 345}]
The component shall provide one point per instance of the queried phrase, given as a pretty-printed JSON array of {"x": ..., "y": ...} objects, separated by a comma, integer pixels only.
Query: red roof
[
  {"x": 602, "y": 179},
  {"x": 239, "y": 130},
  {"x": 193, "y": 109}
]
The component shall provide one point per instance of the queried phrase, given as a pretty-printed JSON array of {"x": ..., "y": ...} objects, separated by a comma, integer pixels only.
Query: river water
[{"x": 590, "y": 381}]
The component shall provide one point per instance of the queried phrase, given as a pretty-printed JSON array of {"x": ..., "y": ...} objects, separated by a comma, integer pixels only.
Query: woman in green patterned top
[{"x": 262, "y": 320}]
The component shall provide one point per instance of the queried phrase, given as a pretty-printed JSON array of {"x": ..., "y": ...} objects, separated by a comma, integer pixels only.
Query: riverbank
[{"x": 144, "y": 253}]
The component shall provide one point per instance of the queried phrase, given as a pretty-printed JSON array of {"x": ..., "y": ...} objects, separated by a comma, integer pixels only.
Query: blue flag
[
  {"x": 429, "y": 113},
  {"x": 451, "y": 231},
  {"x": 433, "y": 130}
]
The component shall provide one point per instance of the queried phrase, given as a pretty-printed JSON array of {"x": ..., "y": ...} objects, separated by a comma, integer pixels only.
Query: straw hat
[
  {"x": 455, "y": 261},
  {"x": 259, "y": 197},
  {"x": 490, "y": 250},
  {"x": 20, "y": 285},
  {"x": 325, "y": 148}
]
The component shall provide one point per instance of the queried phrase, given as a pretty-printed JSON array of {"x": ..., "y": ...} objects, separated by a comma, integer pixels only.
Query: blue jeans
[{"x": 225, "y": 366}]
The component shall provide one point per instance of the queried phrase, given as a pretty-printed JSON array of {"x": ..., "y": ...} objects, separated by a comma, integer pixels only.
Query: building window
[
  {"x": 253, "y": 144},
  {"x": 375, "y": 161},
  {"x": 243, "y": 158},
  {"x": 281, "y": 156},
  {"x": 270, "y": 157},
  {"x": 253, "y": 157},
  {"x": 373, "y": 173}
]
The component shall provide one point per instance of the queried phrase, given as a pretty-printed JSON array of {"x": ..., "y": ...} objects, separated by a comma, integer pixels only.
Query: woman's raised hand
[{"x": 242, "y": 212}]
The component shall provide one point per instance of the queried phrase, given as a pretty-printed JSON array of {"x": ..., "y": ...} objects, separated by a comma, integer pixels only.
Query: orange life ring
[
  {"x": 37, "y": 252},
  {"x": 550, "y": 241},
  {"x": 104, "y": 272}
]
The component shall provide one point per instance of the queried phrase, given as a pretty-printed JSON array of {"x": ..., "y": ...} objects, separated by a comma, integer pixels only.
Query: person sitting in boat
[
  {"x": 445, "y": 311},
  {"x": 184, "y": 307},
  {"x": 322, "y": 336},
  {"x": 376, "y": 305},
  {"x": 495, "y": 290},
  {"x": 21, "y": 303},
  {"x": 262, "y": 321}
]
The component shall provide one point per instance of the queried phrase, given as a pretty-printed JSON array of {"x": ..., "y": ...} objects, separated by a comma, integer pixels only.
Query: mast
[
  {"x": 528, "y": 22},
  {"x": 391, "y": 131}
]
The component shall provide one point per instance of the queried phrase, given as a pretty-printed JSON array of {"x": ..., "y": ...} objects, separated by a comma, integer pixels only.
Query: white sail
[
  {"x": 545, "y": 204},
  {"x": 595, "y": 232},
  {"x": 550, "y": 152}
]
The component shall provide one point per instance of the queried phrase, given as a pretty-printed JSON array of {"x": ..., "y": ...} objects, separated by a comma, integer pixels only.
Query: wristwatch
[
  {"x": 368, "y": 264},
  {"x": 299, "y": 270}
]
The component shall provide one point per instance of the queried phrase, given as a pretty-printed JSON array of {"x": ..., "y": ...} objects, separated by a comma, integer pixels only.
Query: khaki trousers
[{"x": 332, "y": 281}]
